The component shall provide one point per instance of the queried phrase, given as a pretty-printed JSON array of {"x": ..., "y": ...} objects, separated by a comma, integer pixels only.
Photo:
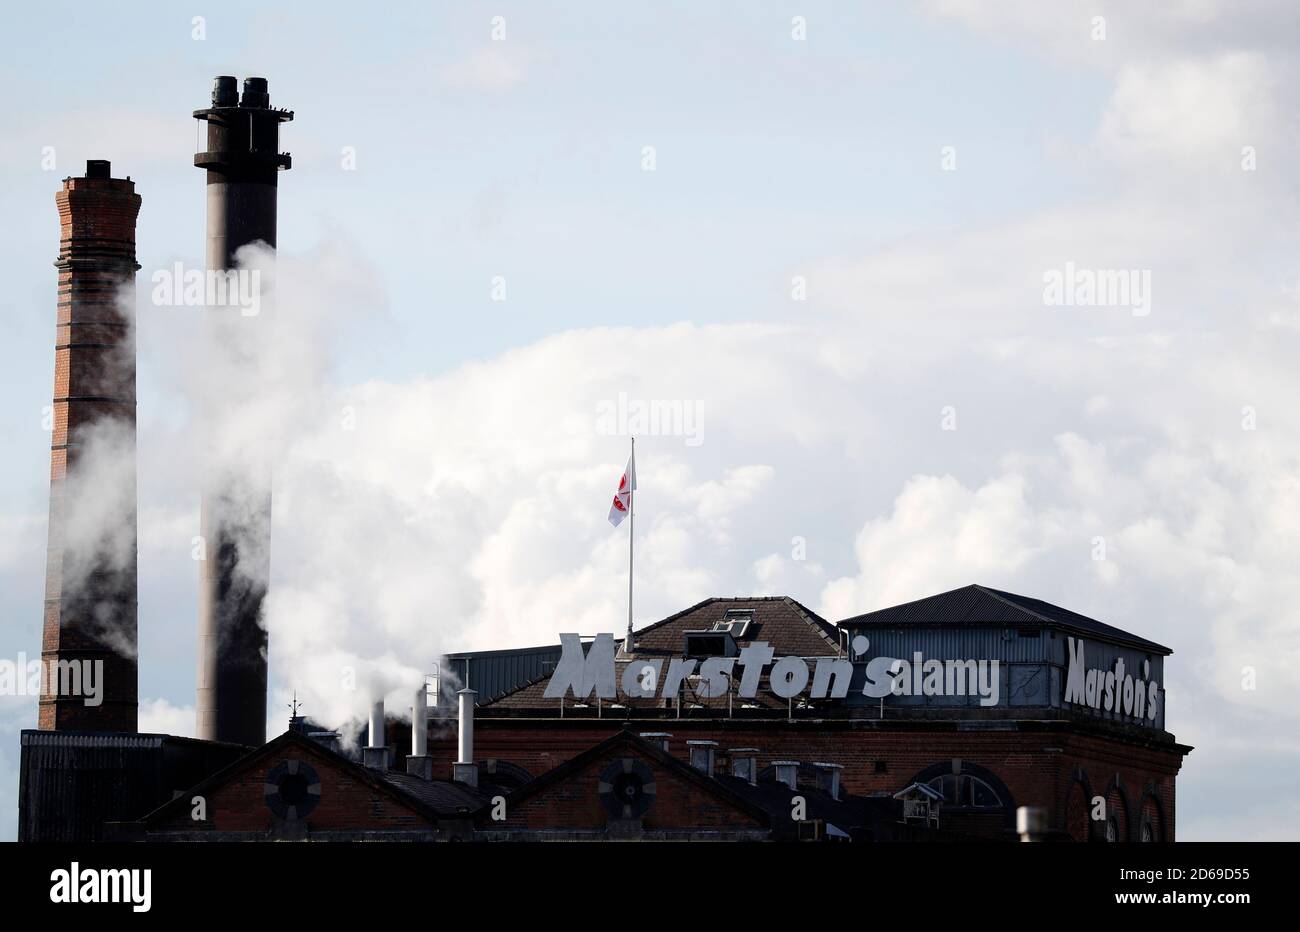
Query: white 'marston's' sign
[
  {"x": 645, "y": 678},
  {"x": 1111, "y": 690}
]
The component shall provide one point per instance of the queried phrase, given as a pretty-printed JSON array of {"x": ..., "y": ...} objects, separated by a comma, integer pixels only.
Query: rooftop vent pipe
[
  {"x": 787, "y": 772},
  {"x": 465, "y": 770},
  {"x": 420, "y": 764},
  {"x": 375, "y": 754}
]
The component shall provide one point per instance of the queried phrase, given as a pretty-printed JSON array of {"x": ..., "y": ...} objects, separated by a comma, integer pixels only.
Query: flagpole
[{"x": 631, "y": 535}]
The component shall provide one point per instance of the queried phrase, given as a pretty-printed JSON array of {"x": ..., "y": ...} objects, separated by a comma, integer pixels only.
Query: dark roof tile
[
  {"x": 788, "y": 627},
  {"x": 974, "y": 605}
]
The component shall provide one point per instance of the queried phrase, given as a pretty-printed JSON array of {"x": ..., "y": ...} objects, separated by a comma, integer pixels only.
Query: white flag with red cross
[{"x": 623, "y": 497}]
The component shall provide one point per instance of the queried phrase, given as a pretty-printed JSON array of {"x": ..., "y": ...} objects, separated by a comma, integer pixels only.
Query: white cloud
[
  {"x": 161, "y": 717},
  {"x": 1064, "y": 30},
  {"x": 129, "y": 138},
  {"x": 496, "y": 67},
  {"x": 940, "y": 536},
  {"x": 1192, "y": 109}
]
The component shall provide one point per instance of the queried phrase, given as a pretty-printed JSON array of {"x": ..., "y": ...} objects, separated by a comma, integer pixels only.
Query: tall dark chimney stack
[
  {"x": 90, "y": 573},
  {"x": 242, "y": 161}
]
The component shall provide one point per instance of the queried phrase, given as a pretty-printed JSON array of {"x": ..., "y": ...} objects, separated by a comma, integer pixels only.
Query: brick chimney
[{"x": 90, "y": 574}]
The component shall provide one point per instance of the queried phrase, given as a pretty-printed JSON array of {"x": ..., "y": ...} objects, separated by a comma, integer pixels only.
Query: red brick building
[
  {"x": 734, "y": 720},
  {"x": 624, "y": 787},
  {"x": 1057, "y": 724},
  {"x": 297, "y": 788}
]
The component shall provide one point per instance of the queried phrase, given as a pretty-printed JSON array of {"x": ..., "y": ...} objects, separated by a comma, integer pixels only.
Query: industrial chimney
[
  {"x": 90, "y": 574},
  {"x": 242, "y": 161}
]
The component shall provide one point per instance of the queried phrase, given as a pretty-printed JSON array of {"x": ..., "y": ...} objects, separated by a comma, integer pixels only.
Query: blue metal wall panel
[
  {"x": 1032, "y": 669},
  {"x": 494, "y": 673}
]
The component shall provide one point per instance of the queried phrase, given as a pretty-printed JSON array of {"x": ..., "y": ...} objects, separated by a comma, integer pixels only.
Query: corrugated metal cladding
[
  {"x": 71, "y": 783},
  {"x": 1008, "y": 645},
  {"x": 1102, "y": 656},
  {"x": 1032, "y": 660},
  {"x": 493, "y": 673}
]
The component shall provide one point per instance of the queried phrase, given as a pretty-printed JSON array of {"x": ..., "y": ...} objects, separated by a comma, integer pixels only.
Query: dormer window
[
  {"x": 735, "y": 622},
  {"x": 713, "y": 643}
]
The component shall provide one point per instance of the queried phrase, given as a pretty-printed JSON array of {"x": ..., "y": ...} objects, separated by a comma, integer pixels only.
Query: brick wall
[
  {"x": 90, "y": 614},
  {"x": 346, "y": 804},
  {"x": 573, "y": 803},
  {"x": 1038, "y": 767}
]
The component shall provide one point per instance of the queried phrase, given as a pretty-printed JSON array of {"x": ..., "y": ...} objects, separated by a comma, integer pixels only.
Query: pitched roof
[
  {"x": 447, "y": 799},
  {"x": 976, "y": 605},
  {"x": 850, "y": 814},
  {"x": 768, "y": 800},
  {"x": 626, "y": 738},
  {"x": 789, "y": 627}
]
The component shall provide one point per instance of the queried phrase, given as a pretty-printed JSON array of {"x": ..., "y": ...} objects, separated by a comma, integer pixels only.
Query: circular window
[
  {"x": 627, "y": 788},
  {"x": 292, "y": 789}
]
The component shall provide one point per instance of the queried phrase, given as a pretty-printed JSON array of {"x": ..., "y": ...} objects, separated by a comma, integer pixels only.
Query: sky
[{"x": 823, "y": 232}]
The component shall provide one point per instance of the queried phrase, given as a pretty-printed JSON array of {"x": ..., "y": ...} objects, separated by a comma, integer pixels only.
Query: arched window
[
  {"x": 1151, "y": 822},
  {"x": 963, "y": 791},
  {"x": 975, "y": 795}
]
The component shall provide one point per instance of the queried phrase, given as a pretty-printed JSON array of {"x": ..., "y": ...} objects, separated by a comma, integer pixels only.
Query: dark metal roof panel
[
  {"x": 979, "y": 605},
  {"x": 494, "y": 673},
  {"x": 71, "y": 783}
]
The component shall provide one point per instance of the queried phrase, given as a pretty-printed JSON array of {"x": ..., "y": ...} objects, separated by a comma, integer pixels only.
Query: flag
[{"x": 623, "y": 497}]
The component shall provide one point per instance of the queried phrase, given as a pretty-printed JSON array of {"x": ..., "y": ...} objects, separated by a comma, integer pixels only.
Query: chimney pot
[
  {"x": 255, "y": 94},
  {"x": 99, "y": 168},
  {"x": 420, "y": 766},
  {"x": 787, "y": 772},
  {"x": 828, "y": 778},
  {"x": 703, "y": 754},
  {"x": 225, "y": 91},
  {"x": 661, "y": 738},
  {"x": 330, "y": 739},
  {"x": 744, "y": 764}
]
